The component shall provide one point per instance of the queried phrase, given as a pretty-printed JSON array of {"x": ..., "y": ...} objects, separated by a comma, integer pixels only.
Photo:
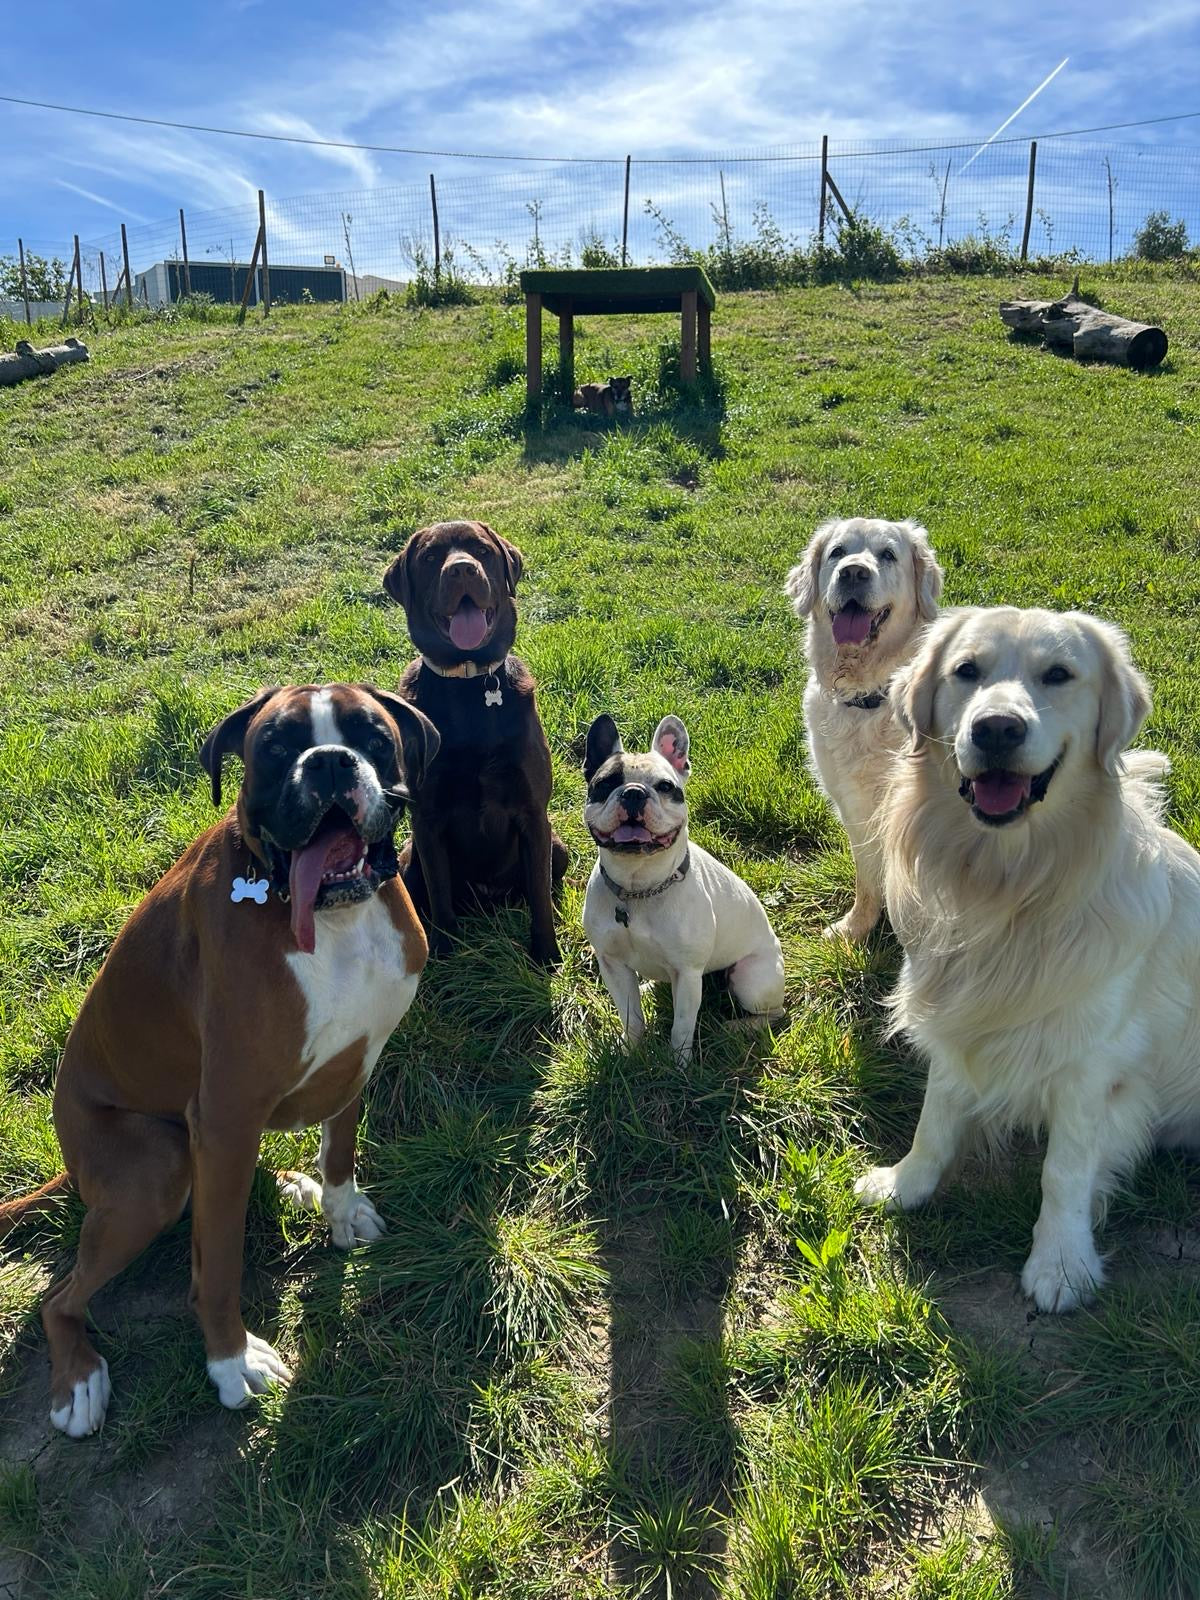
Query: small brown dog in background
[{"x": 611, "y": 399}]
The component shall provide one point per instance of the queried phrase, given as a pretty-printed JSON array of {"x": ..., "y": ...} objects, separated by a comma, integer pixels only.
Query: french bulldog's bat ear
[
  {"x": 671, "y": 741},
  {"x": 514, "y": 561},
  {"x": 228, "y": 738},
  {"x": 419, "y": 739},
  {"x": 603, "y": 740},
  {"x": 397, "y": 580}
]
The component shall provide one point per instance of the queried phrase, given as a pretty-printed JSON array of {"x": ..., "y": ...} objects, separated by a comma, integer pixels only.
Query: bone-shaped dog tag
[
  {"x": 256, "y": 889},
  {"x": 492, "y": 697}
]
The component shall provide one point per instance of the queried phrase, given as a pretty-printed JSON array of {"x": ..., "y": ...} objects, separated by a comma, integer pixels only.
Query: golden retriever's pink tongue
[
  {"x": 333, "y": 850},
  {"x": 468, "y": 625},
  {"x": 998, "y": 793},
  {"x": 851, "y": 626}
]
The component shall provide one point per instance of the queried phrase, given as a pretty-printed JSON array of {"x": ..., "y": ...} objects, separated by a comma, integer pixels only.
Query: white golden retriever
[
  {"x": 1050, "y": 922},
  {"x": 866, "y": 587}
]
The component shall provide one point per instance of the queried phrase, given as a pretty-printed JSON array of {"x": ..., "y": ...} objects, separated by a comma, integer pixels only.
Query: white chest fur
[{"x": 354, "y": 983}]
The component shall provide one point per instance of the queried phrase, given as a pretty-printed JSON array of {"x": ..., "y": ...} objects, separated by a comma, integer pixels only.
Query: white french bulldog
[{"x": 658, "y": 907}]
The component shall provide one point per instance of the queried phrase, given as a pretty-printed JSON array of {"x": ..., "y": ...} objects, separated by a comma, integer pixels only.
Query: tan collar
[{"x": 466, "y": 669}]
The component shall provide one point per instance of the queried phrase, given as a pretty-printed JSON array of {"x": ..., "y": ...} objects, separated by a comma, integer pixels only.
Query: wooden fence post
[
  {"x": 128, "y": 274},
  {"x": 437, "y": 236},
  {"x": 824, "y": 181},
  {"x": 79, "y": 311},
  {"x": 24, "y": 283},
  {"x": 187, "y": 266},
  {"x": 625, "y": 217},
  {"x": 103, "y": 283},
  {"x": 1029, "y": 199},
  {"x": 262, "y": 239},
  {"x": 71, "y": 276},
  {"x": 253, "y": 267}
]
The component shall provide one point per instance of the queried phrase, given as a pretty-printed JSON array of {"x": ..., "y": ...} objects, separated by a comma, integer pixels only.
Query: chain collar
[{"x": 681, "y": 872}]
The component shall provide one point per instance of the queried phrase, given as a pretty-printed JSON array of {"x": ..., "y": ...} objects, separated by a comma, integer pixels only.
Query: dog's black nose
[
  {"x": 998, "y": 735},
  {"x": 634, "y": 799},
  {"x": 854, "y": 573},
  {"x": 318, "y": 760}
]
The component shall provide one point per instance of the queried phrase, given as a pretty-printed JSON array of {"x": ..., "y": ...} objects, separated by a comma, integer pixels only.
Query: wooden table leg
[
  {"x": 704, "y": 319},
  {"x": 566, "y": 351},
  {"x": 533, "y": 348},
  {"x": 687, "y": 336}
]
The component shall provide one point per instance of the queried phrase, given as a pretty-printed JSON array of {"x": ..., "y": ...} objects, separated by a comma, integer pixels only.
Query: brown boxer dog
[
  {"x": 254, "y": 987},
  {"x": 480, "y": 828}
]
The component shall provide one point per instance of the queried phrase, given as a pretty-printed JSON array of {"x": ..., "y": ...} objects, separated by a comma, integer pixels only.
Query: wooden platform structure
[{"x": 610, "y": 292}]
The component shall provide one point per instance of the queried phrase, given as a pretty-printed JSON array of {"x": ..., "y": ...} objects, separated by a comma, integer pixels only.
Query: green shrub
[{"x": 1160, "y": 239}]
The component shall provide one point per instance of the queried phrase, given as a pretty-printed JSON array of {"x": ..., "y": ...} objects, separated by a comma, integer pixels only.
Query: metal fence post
[
  {"x": 625, "y": 215},
  {"x": 266, "y": 271},
  {"x": 1029, "y": 199},
  {"x": 824, "y": 186}
]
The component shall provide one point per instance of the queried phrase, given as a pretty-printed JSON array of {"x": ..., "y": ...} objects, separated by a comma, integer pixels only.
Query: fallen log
[
  {"x": 30, "y": 363},
  {"x": 1080, "y": 330}
]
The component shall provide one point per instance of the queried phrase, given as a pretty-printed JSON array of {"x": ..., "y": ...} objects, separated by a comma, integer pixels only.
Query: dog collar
[
  {"x": 622, "y": 916},
  {"x": 868, "y": 702},
  {"x": 466, "y": 669}
]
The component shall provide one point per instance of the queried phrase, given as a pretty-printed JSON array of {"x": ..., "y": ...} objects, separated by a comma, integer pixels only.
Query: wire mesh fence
[{"x": 1088, "y": 199}]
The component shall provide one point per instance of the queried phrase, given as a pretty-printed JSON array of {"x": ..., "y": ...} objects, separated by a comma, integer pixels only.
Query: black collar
[
  {"x": 868, "y": 702},
  {"x": 681, "y": 872}
]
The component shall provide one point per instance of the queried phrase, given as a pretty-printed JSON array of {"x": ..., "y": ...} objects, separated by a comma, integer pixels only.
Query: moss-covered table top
[{"x": 612, "y": 290}]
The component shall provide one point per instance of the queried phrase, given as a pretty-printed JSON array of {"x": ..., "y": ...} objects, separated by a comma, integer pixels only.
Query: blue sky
[{"x": 596, "y": 77}]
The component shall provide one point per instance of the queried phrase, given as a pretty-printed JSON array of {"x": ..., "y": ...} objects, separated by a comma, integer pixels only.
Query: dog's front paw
[
  {"x": 855, "y": 927},
  {"x": 81, "y": 1409},
  {"x": 1061, "y": 1275},
  {"x": 351, "y": 1216},
  {"x": 255, "y": 1370},
  {"x": 300, "y": 1190},
  {"x": 899, "y": 1188}
]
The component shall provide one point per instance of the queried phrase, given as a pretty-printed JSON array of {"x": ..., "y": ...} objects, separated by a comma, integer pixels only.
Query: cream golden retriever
[
  {"x": 866, "y": 588},
  {"x": 1050, "y": 922}
]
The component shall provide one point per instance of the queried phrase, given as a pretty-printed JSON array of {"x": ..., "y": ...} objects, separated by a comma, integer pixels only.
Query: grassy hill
[{"x": 627, "y": 1334}]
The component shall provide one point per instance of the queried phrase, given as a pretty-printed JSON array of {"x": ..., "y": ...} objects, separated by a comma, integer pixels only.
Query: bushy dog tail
[{"x": 14, "y": 1211}]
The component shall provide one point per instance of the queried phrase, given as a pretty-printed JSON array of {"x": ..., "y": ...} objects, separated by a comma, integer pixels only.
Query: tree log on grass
[
  {"x": 31, "y": 363},
  {"x": 1080, "y": 330}
]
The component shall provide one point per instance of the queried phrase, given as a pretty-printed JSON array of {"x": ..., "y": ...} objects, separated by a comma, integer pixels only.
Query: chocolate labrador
[{"x": 480, "y": 829}]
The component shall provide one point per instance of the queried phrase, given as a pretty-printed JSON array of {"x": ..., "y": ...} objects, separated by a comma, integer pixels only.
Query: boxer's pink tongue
[
  {"x": 332, "y": 850},
  {"x": 468, "y": 625},
  {"x": 851, "y": 626},
  {"x": 998, "y": 793}
]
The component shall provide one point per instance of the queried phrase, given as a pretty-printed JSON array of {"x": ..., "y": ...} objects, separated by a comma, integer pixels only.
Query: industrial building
[{"x": 162, "y": 284}]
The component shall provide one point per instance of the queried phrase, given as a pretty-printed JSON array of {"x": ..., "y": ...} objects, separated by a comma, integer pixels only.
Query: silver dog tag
[
  {"x": 256, "y": 889},
  {"x": 492, "y": 697}
]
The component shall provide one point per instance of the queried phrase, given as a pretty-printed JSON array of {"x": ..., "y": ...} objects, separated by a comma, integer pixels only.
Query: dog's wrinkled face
[
  {"x": 636, "y": 803},
  {"x": 1028, "y": 701},
  {"x": 866, "y": 581},
  {"x": 457, "y": 582},
  {"x": 327, "y": 771}
]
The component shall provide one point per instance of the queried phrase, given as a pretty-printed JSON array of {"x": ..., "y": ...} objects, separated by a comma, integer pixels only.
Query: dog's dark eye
[
  {"x": 887, "y": 555},
  {"x": 1054, "y": 675},
  {"x": 277, "y": 749},
  {"x": 665, "y": 786},
  {"x": 838, "y": 551},
  {"x": 966, "y": 670},
  {"x": 377, "y": 744}
]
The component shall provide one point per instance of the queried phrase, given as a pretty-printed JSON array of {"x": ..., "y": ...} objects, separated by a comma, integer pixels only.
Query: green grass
[{"x": 627, "y": 1333}]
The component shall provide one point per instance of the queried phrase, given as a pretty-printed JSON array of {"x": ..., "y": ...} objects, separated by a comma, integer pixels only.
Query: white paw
[
  {"x": 351, "y": 1216},
  {"x": 300, "y": 1190},
  {"x": 84, "y": 1411},
  {"x": 855, "y": 930},
  {"x": 1060, "y": 1275},
  {"x": 899, "y": 1188},
  {"x": 257, "y": 1369}
]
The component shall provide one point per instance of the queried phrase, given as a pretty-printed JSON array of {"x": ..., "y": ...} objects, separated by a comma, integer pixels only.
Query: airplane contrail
[{"x": 1017, "y": 112}]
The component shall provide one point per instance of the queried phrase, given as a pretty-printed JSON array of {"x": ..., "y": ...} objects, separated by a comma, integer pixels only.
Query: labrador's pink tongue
[
  {"x": 468, "y": 625},
  {"x": 998, "y": 793},
  {"x": 851, "y": 626},
  {"x": 304, "y": 878}
]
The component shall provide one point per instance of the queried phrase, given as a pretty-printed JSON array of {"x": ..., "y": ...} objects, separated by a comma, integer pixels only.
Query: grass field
[{"x": 627, "y": 1334}]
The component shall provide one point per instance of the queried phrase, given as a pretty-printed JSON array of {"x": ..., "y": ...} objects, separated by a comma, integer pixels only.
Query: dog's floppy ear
[
  {"x": 419, "y": 739},
  {"x": 514, "y": 561},
  {"x": 228, "y": 738},
  {"x": 671, "y": 741},
  {"x": 927, "y": 574},
  {"x": 913, "y": 688},
  {"x": 603, "y": 741},
  {"x": 1124, "y": 692},
  {"x": 802, "y": 583},
  {"x": 397, "y": 580}
]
